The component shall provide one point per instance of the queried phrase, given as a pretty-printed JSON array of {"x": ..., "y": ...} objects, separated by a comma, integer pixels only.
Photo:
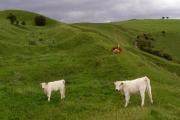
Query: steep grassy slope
[{"x": 80, "y": 53}]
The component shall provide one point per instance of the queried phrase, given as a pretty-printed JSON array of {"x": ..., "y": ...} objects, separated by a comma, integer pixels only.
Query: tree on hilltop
[
  {"x": 12, "y": 18},
  {"x": 40, "y": 20}
]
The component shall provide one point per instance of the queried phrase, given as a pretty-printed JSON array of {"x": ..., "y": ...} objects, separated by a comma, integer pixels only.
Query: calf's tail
[
  {"x": 64, "y": 90},
  {"x": 149, "y": 88}
]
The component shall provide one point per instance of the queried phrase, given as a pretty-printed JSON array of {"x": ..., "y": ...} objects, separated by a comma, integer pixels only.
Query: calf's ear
[{"x": 121, "y": 84}]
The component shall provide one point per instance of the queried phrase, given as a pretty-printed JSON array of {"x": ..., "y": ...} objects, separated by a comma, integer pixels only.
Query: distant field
[{"x": 80, "y": 54}]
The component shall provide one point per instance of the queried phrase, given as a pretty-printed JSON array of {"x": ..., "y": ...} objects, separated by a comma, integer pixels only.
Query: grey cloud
[{"x": 71, "y": 11}]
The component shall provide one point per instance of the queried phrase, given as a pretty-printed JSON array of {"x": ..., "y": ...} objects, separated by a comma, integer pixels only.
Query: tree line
[{"x": 39, "y": 20}]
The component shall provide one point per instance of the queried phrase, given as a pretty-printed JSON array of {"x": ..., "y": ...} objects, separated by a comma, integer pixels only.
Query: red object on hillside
[{"x": 116, "y": 49}]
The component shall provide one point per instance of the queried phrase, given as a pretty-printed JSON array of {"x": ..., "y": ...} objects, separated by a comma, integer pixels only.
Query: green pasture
[{"x": 81, "y": 54}]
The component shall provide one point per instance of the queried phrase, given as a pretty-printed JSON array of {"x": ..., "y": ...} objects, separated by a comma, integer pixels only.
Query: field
[{"x": 80, "y": 54}]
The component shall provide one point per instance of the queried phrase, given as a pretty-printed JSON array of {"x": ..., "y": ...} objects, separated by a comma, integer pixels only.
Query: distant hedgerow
[
  {"x": 144, "y": 43},
  {"x": 167, "y": 56},
  {"x": 40, "y": 20}
]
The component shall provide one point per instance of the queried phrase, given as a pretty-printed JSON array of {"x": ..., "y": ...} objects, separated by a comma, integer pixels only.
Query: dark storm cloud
[{"x": 70, "y": 11}]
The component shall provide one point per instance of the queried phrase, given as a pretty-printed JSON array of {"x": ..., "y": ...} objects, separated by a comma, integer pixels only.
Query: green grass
[{"x": 80, "y": 54}]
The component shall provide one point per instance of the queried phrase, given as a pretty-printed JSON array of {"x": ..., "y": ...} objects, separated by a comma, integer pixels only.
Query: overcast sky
[{"x": 73, "y": 11}]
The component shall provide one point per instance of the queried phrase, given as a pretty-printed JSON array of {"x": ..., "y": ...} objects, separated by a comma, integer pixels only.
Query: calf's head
[
  {"x": 118, "y": 85},
  {"x": 43, "y": 85}
]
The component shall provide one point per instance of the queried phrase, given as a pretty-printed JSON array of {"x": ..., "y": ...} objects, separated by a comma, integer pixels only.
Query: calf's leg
[
  {"x": 49, "y": 95},
  {"x": 62, "y": 92},
  {"x": 127, "y": 97},
  {"x": 142, "y": 98},
  {"x": 150, "y": 94}
]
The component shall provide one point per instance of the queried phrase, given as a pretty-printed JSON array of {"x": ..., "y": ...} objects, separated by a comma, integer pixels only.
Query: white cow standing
[
  {"x": 137, "y": 86},
  {"x": 54, "y": 86}
]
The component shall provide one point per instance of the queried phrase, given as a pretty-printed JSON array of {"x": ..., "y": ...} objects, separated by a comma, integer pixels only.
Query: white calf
[
  {"x": 54, "y": 86},
  {"x": 138, "y": 86}
]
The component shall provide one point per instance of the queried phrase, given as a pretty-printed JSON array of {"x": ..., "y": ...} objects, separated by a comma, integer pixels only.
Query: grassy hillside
[
  {"x": 168, "y": 42},
  {"x": 80, "y": 54}
]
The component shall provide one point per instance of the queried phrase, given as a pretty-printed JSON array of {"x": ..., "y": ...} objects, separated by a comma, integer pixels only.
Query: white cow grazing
[
  {"x": 137, "y": 86},
  {"x": 54, "y": 86}
]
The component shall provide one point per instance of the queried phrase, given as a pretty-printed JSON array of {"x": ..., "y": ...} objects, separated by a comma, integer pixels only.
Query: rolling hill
[{"x": 80, "y": 54}]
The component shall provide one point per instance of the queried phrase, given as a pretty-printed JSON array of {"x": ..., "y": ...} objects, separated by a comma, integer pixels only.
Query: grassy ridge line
[{"x": 112, "y": 33}]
